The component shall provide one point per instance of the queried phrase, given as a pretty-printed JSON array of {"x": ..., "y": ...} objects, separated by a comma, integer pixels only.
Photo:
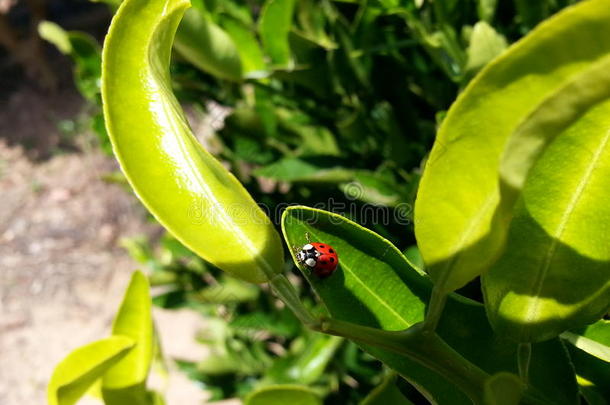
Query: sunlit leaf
[
  {"x": 274, "y": 27},
  {"x": 75, "y": 374},
  {"x": 459, "y": 222},
  {"x": 187, "y": 189},
  {"x": 375, "y": 286}
]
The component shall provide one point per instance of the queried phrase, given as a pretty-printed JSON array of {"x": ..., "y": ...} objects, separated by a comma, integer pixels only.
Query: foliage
[{"x": 338, "y": 102}]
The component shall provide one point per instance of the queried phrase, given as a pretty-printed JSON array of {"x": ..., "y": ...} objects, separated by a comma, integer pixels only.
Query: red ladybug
[{"x": 321, "y": 258}]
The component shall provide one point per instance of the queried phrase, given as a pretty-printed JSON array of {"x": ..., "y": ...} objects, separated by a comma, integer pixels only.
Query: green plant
[{"x": 513, "y": 189}]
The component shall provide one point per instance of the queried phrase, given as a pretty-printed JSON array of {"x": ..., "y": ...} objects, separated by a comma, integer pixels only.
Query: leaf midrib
[
  {"x": 534, "y": 307},
  {"x": 371, "y": 292}
]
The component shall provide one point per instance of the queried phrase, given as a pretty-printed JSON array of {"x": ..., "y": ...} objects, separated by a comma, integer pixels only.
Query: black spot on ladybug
[
  {"x": 323, "y": 261},
  {"x": 321, "y": 246},
  {"x": 332, "y": 259},
  {"x": 331, "y": 251}
]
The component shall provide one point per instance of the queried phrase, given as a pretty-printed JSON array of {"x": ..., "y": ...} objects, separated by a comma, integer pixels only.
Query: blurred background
[{"x": 332, "y": 104}]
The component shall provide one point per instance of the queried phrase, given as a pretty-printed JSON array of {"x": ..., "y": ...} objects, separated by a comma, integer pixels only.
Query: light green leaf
[
  {"x": 594, "y": 339},
  {"x": 375, "y": 286},
  {"x": 503, "y": 389},
  {"x": 187, "y": 189},
  {"x": 459, "y": 223},
  {"x": 248, "y": 48},
  {"x": 558, "y": 277},
  {"x": 307, "y": 170},
  {"x": 207, "y": 46},
  {"x": 274, "y": 27},
  {"x": 125, "y": 382},
  {"x": 53, "y": 33},
  {"x": 387, "y": 393},
  {"x": 282, "y": 395},
  {"x": 75, "y": 374},
  {"x": 485, "y": 44}
]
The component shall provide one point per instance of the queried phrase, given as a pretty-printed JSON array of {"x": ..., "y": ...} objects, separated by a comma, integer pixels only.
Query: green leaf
[
  {"x": 75, "y": 374},
  {"x": 125, "y": 382},
  {"x": 309, "y": 366},
  {"x": 282, "y": 395},
  {"x": 503, "y": 389},
  {"x": 387, "y": 393},
  {"x": 307, "y": 170},
  {"x": 187, "y": 189},
  {"x": 459, "y": 222},
  {"x": 53, "y": 33},
  {"x": 558, "y": 277},
  {"x": 274, "y": 27},
  {"x": 248, "y": 48},
  {"x": 592, "y": 369},
  {"x": 594, "y": 339},
  {"x": 207, "y": 46},
  {"x": 485, "y": 44},
  {"x": 86, "y": 54},
  {"x": 375, "y": 286}
]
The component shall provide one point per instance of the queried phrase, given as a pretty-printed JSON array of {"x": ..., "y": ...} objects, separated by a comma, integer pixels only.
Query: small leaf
[
  {"x": 75, "y": 374},
  {"x": 187, "y": 189},
  {"x": 307, "y": 170},
  {"x": 274, "y": 27},
  {"x": 248, "y": 48},
  {"x": 207, "y": 46},
  {"x": 459, "y": 222},
  {"x": 485, "y": 44},
  {"x": 126, "y": 380},
  {"x": 53, "y": 33},
  {"x": 282, "y": 395}
]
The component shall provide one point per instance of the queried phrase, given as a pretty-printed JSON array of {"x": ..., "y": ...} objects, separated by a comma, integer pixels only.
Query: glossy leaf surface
[
  {"x": 375, "y": 286},
  {"x": 555, "y": 272},
  {"x": 187, "y": 189},
  {"x": 75, "y": 374},
  {"x": 460, "y": 224}
]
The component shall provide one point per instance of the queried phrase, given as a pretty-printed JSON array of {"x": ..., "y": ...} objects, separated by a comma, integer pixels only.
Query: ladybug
[{"x": 319, "y": 257}]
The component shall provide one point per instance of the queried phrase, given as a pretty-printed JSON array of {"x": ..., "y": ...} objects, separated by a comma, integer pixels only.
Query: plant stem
[
  {"x": 435, "y": 309},
  {"x": 286, "y": 292},
  {"x": 524, "y": 354},
  {"x": 421, "y": 345}
]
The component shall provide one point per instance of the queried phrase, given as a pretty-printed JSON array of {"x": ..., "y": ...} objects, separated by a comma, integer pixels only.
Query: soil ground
[{"x": 62, "y": 270}]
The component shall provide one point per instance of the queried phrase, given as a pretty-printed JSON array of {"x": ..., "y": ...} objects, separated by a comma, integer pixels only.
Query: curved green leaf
[
  {"x": 125, "y": 382},
  {"x": 375, "y": 286},
  {"x": 282, "y": 395},
  {"x": 459, "y": 222},
  {"x": 558, "y": 276},
  {"x": 207, "y": 46},
  {"x": 75, "y": 374},
  {"x": 274, "y": 27},
  {"x": 187, "y": 189}
]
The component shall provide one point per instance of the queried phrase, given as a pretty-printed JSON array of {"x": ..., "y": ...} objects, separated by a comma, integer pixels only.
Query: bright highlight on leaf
[
  {"x": 187, "y": 189},
  {"x": 460, "y": 223},
  {"x": 75, "y": 374}
]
